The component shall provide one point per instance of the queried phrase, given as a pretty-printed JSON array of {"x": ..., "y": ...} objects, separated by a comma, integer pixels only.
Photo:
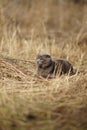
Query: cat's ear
[{"x": 48, "y": 56}]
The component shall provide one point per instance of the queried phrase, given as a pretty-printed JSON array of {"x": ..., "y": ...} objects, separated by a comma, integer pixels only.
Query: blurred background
[
  {"x": 44, "y": 21},
  {"x": 54, "y": 17}
]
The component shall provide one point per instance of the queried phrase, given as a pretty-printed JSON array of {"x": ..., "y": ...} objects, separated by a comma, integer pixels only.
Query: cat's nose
[{"x": 39, "y": 61}]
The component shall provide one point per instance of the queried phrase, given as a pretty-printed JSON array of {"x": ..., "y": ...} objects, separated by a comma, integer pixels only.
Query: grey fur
[{"x": 48, "y": 68}]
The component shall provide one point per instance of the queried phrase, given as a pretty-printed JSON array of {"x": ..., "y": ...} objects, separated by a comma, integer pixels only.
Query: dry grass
[{"x": 28, "y": 102}]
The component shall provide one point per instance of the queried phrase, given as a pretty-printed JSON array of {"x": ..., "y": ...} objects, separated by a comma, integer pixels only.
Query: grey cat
[{"x": 48, "y": 68}]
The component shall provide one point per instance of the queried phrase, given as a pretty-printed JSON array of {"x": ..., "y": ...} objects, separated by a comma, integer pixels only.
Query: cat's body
[{"x": 48, "y": 68}]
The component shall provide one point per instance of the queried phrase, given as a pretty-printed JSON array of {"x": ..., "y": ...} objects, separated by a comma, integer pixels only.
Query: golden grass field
[{"x": 31, "y": 103}]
